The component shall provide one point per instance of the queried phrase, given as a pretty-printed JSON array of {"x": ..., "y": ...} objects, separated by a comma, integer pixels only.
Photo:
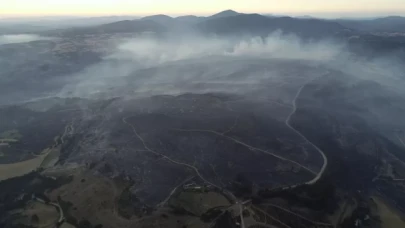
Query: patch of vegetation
[
  {"x": 242, "y": 186},
  {"x": 16, "y": 192},
  {"x": 198, "y": 203},
  {"x": 66, "y": 206},
  {"x": 68, "y": 147},
  {"x": 5, "y": 225},
  {"x": 225, "y": 221},
  {"x": 211, "y": 215},
  {"x": 84, "y": 224},
  {"x": 129, "y": 205},
  {"x": 52, "y": 157},
  {"x": 11, "y": 134},
  {"x": 318, "y": 197}
]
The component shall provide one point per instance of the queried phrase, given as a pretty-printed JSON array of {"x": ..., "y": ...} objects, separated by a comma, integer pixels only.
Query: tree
[
  {"x": 84, "y": 224},
  {"x": 34, "y": 219}
]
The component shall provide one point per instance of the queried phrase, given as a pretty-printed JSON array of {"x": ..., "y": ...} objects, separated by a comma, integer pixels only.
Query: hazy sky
[{"x": 202, "y": 7}]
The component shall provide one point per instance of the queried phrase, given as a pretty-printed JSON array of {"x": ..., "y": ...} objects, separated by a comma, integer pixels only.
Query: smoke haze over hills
[{"x": 20, "y": 38}]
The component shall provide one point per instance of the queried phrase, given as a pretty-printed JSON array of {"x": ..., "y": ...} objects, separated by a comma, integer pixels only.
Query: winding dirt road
[
  {"x": 242, "y": 219},
  {"x": 166, "y": 157},
  {"x": 395, "y": 157},
  {"x": 402, "y": 141},
  {"x": 288, "y": 123},
  {"x": 248, "y": 146},
  {"x": 298, "y": 215},
  {"x": 318, "y": 175},
  {"x": 271, "y": 217},
  {"x": 174, "y": 191},
  {"x": 57, "y": 206}
]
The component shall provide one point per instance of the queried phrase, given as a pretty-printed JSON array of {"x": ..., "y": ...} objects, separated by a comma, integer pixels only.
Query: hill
[
  {"x": 227, "y": 22},
  {"x": 127, "y": 26},
  {"x": 255, "y": 24},
  {"x": 386, "y": 24},
  {"x": 160, "y": 18},
  {"x": 226, "y": 13},
  {"x": 189, "y": 19}
]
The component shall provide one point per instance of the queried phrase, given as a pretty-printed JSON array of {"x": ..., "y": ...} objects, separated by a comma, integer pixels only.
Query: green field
[
  {"x": 12, "y": 134},
  {"x": 198, "y": 203}
]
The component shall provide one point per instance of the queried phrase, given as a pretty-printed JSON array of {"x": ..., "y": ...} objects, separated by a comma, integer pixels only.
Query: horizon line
[{"x": 321, "y": 15}]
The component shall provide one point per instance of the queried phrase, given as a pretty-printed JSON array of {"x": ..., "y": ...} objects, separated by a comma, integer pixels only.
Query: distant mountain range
[
  {"x": 189, "y": 19},
  {"x": 127, "y": 26},
  {"x": 227, "y": 22},
  {"x": 257, "y": 24},
  {"x": 232, "y": 23},
  {"x": 39, "y": 24},
  {"x": 386, "y": 24}
]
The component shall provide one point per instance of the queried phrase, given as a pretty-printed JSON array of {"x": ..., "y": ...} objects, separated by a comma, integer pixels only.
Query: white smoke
[
  {"x": 153, "y": 52},
  {"x": 20, "y": 38},
  {"x": 177, "y": 66}
]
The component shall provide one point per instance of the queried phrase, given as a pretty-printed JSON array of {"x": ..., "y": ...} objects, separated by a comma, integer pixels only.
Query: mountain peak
[
  {"x": 225, "y": 13},
  {"x": 158, "y": 16}
]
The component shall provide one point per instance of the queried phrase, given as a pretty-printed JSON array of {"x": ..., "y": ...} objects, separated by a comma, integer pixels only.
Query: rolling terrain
[{"x": 243, "y": 120}]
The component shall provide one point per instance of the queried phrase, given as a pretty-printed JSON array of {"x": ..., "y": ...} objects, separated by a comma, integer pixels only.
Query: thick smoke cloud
[
  {"x": 180, "y": 64},
  {"x": 274, "y": 68},
  {"x": 21, "y": 38},
  {"x": 276, "y": 45},
  {"x": 200, "y": 64}
]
